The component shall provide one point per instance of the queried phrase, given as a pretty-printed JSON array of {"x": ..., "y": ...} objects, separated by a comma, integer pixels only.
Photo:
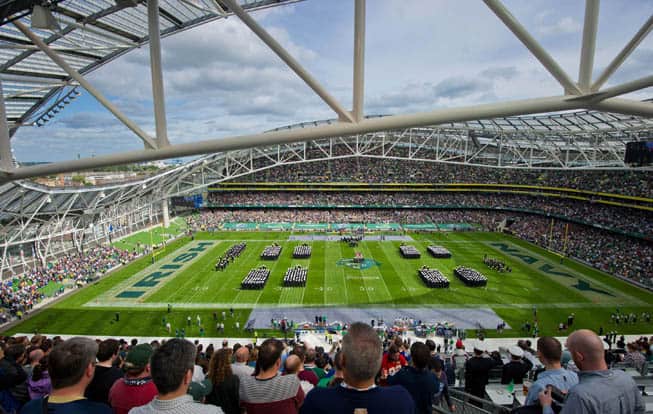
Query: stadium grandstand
[{"x": 468, "y": 249}]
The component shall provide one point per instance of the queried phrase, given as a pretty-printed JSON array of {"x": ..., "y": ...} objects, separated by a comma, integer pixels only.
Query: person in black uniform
[
  {"x": 477, "y": 370},
  {"x": 517, "y": 368}
]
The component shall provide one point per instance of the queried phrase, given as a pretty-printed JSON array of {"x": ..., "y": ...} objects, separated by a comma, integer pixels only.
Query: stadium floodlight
[{"x": 42, "y": 18}]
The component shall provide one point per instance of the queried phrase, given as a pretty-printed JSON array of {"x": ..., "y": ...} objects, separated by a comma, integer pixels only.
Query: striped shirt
[{"x": 279, "y": 395}]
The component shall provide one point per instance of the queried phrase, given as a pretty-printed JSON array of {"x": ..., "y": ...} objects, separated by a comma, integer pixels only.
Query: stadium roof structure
[{"x": 47, "y": 46}]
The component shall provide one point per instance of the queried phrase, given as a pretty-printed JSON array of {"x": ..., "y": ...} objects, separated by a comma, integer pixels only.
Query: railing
[{"x": 469, "y": 404}]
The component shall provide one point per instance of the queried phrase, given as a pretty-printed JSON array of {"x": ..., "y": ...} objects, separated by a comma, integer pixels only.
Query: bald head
[
  {"x": 242, "y": 354},
  {"x": 35, "y": 356},
  {"x": 293, "y": 364},
  {"x": 587, "y": 350}
]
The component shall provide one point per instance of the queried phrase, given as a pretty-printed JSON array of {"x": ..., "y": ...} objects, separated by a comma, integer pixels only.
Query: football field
[{"x": 184, "y": 277}]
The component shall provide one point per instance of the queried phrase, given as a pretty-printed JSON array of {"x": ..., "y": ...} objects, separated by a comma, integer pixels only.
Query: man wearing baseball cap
[{"x": 137, "y": 387}]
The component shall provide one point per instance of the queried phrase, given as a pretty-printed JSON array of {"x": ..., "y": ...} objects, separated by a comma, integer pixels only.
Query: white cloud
[{"x": 565, "y": 25}]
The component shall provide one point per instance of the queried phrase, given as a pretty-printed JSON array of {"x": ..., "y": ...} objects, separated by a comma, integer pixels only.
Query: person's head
[
  {"x": 420, "y": 355},
  {"x": 310, "y": 356},
  {"x": 549, "y": 350},
  {"x": 431, "y": 345},
  {"x": 72, "y": 363},
  {"x": 16, "y": 352},
  {"x": 253, "y": 355},
  {"x": 300, "y": 351},
  {"x": 40, "y": 369},
  {"x": 242, "y": 355},
  {"x": 269, "y": 356},
  {"x": 35, "y": 356},
  {"x": 172, "y": 366},
  {"x": 137, "y": 360},
  {"x": 220, "y": 366},
  {"x": 362, "y": 352},
  {"x": 293, "y": 364},
  {"x": 437, "y": 365},
  {"x": 107, "y": 350},
  {"x": 586, "y": 350},
  {"x": 393, "y": 353},
  {"x": 225, "y": 343},
  {"x": 632, "y": 347}
]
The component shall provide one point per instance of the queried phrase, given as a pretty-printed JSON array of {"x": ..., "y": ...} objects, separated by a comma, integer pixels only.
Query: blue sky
[{"x": 221, "y": 81}]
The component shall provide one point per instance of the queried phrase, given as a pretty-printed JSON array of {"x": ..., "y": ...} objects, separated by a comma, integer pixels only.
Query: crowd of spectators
[
  {"x": 377, "y": 170},
  {"x": 621, "y": 218},
  {"x": 19, "y": 295},
  {"x": 367, "y": 369}
]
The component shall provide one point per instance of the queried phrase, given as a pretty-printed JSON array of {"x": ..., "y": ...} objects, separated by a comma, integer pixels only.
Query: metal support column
[
  {"x": 359, "y": 60},
  {"x": 589, "y": 44},
  {"x": 625, "y": 52},
  {"x": 165, "y": 213},
  {"x": 6, "y": 162},
  {"x": 157, "y": 73}
]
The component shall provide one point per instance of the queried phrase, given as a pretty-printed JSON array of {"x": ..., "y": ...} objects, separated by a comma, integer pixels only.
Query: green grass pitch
[{"x": 184, "y": 277}]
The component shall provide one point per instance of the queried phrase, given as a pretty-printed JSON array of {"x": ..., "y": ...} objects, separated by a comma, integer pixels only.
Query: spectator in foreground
[
  {"x": 39, "y": 385},
  {"x": 224, "y": 392},
  {"x": 600, "y": 390},
  {"x": 417, "y": 379},
  {"x": 105, "y": 373},
  {"x": 477, "y": 371},
  {"x": 137, "y": 387},
  {"x": 293, "y": 364},
  {"x": 362, "y": 353},
  {"x": 443, "y": 386},
  {"x": 337, "y": 377},
  {"x": 172, "y": 371},
  {"x": 71, "y": 367},
  {"x": 267, "y": 391},
  {"x": 240, "y": 367},
  {"x": 549, "y": 351}
]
